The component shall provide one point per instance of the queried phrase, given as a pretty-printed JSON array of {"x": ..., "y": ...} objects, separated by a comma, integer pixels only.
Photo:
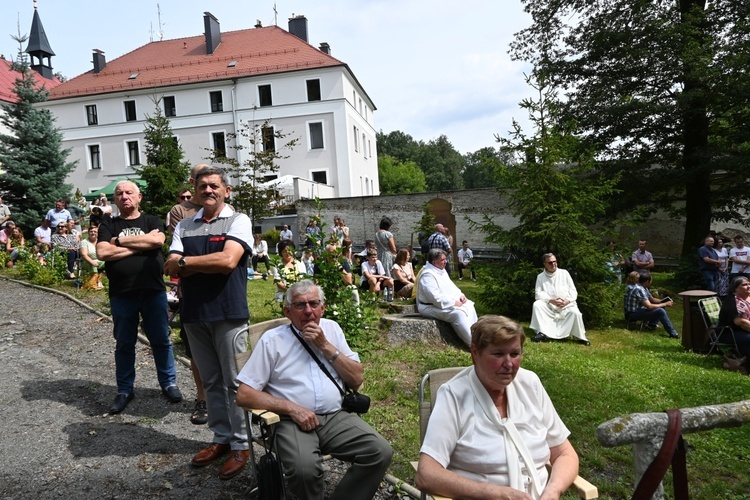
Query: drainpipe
[{"x": 235, "y": 124}]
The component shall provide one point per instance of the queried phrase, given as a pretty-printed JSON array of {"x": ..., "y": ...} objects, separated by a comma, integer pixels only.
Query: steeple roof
[{"x": 38, "y": 42}]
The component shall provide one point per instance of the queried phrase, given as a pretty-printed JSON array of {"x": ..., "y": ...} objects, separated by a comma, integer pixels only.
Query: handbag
[
  {"x": 268, "y": 471},
  {"x": 353, "y": 401},
  {"x": 672, "y": 451},
  {"x": 734, "y": 363}
]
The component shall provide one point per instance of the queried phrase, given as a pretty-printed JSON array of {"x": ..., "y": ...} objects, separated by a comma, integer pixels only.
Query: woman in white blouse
[
  {"x": 493, "y": 427},
  {"x": 260, "y": 252}
]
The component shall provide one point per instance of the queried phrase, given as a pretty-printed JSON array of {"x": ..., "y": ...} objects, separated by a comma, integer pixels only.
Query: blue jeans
[
  {"x": 709, "y": 277},
  {"x": 152, "y": 306},
  {"x": 653, "y": 316}
]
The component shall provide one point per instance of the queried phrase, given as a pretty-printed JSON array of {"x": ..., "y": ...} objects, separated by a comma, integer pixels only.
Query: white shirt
[
  {"x": 376, "y": 269},
  {"x": 280, "y": 366},
  {"x": 739, "y": 253},
  {"x": 261, "y": 248},
  {"x": 286, "y": 234},
  {"x": 464, "y": 439},
  {"x": 465, "y": 256}
]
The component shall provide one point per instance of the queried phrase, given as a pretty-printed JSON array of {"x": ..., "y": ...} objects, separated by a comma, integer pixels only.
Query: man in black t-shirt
[{"x": 130, "y": 244}]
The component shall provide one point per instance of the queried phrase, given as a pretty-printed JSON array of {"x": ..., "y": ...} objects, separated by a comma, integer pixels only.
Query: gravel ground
[{"x": 56, "y": 385}]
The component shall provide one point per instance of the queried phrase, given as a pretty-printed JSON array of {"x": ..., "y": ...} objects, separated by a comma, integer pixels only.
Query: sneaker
[
  {"x": 172, "y": 393},
  {"x": 200, "y": 413},
  {"x": 674, "y": 335},
  {"x": 460, "y": 279}
]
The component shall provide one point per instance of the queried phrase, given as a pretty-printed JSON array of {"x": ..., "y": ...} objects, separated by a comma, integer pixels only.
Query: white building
[{"x": 209, "y": 86}]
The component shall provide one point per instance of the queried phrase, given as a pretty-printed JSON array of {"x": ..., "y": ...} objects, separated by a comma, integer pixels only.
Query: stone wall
[{"x": 454, "y": 208}]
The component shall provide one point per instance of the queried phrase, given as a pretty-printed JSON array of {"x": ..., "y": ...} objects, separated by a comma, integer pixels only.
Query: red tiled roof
[
  {"x": 8, "y": 79},
  {"x": 257, "y": 51}
]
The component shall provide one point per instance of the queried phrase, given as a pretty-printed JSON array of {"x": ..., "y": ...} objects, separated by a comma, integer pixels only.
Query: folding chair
[
  {"x": 710, "y": 308},
  {"x": 262, "y": 433},
  {"x": 436, "y": 378}
]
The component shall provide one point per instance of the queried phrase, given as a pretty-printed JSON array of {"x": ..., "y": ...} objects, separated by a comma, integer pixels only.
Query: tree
[
  {"x": 164, "y": 172},
  {"x": 660, "y": 90},
  {"x": 398, "y": 145},
  {"x": 251, "y": 192},
  {"x": 32, "y": 156},
  {"x": 557, "y": 195},
  {"x": 399, "y": 177},
  {"x": 480, "y": 168},
  {"x": 441, "y": 164}
]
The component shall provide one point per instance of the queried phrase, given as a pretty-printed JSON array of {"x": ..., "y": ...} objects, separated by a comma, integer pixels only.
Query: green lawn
[{"x": 622, "y": 372}]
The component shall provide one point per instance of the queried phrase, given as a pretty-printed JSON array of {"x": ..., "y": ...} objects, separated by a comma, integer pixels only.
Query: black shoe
[
  {"x": 200, "y": 413},
  {"x": 540, "y": 337},
  {"x": 583, "y": 341},
  {"x": 121, "y": 401},
  {"x": 674, "y": 335},
  {"x": 172, "y": 393}
]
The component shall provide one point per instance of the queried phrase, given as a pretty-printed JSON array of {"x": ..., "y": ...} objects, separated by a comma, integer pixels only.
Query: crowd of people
[{"x": 515, "y": 430}]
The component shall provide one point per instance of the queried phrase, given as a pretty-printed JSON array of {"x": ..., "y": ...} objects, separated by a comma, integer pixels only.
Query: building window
[
  {"x": 320, "y": 177},
  {"x": 91, "y": 115},
  {"x": 369, "y": 148},
  {"x": 270, "y": 177},
  {"x": 264, "y": 95},
  {"x": 170, "y": 109},
  {"x": 95, "y": 157},
  {"x": 219, "y": 144},
  {"x": 130, "y": 115},
  {"x": 269, "y": 139},
  {"x": 356, "y": 140},
  {"x": 316, "y": 135},
  {"x": 217, "y": 101},
  {"x": 313, "y": 90},
  {"x": 364, "y": 143},
  {"x": 134, "y": 155},
  {"x": 360, "y": 106}
]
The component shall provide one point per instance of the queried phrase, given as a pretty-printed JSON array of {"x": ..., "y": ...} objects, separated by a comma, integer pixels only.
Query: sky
[{"x": 431, "y": 67}]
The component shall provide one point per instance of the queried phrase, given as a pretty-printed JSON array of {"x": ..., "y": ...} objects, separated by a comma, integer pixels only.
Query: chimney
[
  {"x": 325, "y": 48},
  {"x": 298, "y": 27},
  {"x": 99, "y": 61},
  {"x": 213, "y": 32},
  {"x": 258, "y": 24}
]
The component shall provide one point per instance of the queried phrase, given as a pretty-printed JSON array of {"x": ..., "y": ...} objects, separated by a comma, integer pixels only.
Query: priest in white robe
[
  {"x": 555, "y": 314},
  {"x": 438, "y": 297}
]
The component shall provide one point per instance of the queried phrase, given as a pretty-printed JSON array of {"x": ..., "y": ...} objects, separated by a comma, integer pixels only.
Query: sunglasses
[{"x": 187, "y": 197}]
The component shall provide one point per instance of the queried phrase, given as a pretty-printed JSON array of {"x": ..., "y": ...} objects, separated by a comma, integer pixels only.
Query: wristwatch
[
  {"x": 117, "y": 242},
  {"x": 181, "y": 263}
]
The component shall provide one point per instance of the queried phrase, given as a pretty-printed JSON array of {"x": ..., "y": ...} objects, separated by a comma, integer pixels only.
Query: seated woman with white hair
[{"x": 493, "y": 427}]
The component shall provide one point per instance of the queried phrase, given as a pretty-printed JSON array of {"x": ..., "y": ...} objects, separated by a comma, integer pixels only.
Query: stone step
[{"x": 409, "y": 327}]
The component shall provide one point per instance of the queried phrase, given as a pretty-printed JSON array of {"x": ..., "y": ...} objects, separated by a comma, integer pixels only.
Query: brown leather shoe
[
  {"x": 208, "y": 455},
  {"x": 234, "y": 464}
]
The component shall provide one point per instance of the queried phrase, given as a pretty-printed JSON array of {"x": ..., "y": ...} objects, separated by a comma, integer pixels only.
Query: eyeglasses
[
  {"x": 300, "y": 306},
  {"x": 187, "y": 197},
  {"x": 552, "y": 262}
]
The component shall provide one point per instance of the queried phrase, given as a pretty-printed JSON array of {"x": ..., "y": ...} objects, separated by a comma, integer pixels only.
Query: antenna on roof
[
  {"x": 161, "y": 31},
  {"x": 151, "y": 31}
]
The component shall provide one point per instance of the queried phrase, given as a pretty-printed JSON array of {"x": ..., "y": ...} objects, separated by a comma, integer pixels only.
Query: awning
[{"x": 109, "y": 189}]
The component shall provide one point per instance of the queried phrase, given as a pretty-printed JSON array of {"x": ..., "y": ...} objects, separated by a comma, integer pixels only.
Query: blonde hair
[{"x": 492, "y": 329}]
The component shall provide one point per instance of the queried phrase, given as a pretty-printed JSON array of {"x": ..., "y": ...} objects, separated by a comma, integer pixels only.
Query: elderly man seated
[
  {"x": 282, "y": 376},
  {"x": 438, "y": 297},
  {"x": 555, "y": 314}
]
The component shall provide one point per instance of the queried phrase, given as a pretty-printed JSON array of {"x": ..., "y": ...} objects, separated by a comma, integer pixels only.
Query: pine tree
[
  {"x": 164, "y": 172},
  {"x": 35, "y": 164}
]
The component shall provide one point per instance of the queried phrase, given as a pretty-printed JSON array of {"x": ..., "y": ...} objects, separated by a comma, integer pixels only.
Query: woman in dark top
[{"x": 735, "y": 313}]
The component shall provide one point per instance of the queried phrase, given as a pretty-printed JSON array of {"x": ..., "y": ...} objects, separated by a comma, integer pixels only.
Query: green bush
[{"x": 272, "y": 237}]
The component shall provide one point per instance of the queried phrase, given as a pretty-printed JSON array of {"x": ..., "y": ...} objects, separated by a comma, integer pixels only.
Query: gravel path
[{"x": 56, "y": 384}]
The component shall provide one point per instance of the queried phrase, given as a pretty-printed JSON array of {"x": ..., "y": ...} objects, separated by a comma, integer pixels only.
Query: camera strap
[{"x": 317, "y": 360}]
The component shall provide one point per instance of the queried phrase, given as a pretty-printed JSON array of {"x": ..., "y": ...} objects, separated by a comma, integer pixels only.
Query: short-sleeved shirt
[
  {"x": 739, "y": 253},
  {"x": 465, "y": 256},
  {"x": 211, "y": 297},
  {"x": 462, "y": 438},
  {"x": 635, "y": 297},
  {"x": 282, "y": 367},
  {"x": 56, "y": 217},
  {"x": 136, "y": 272},
  {"x": 643, "y": 258},
  {"x": 437, "y": 240},
  {"x": 4, "y": 212},
  {"x": 44, "y": 233},
  {"x": 709, "y": 252}
]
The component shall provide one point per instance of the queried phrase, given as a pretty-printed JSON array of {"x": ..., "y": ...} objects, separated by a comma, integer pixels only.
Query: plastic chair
[
  {"x": 436, "y": 378},
  {"x": 710, "y": 308}
]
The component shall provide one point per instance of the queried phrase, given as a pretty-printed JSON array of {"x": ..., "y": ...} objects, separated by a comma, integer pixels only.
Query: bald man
[{"x": 130, "y": 245}]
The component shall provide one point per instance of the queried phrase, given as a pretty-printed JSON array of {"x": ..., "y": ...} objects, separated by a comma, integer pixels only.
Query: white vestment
[
  {"x": 436, "y": 298},
  {"x": 553, "y": 321}
]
